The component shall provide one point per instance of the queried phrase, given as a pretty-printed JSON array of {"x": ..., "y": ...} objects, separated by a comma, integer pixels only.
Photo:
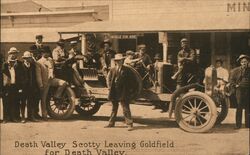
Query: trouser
[
  {"x": 37, "y": 100},
  {"x": 54, "y": 82},
  {"x": 29, "y": 99},
  {"x": 11, "y": 103},
  {"x": 126, "y": 112},
  {"x": 78, "y": 81},
  {"x": 243, "y": 102},
  {"x": 184, "y": 79}
]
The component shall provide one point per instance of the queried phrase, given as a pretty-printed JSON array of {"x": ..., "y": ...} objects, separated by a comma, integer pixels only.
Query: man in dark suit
[
  {"x": 12, "y": 87},
  {"x": 122, "y": 86},
  {"x": 30, "y": 87},
  {"x": 240, "y": 81}
]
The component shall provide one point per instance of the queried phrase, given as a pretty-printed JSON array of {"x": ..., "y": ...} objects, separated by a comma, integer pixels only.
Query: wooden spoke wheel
[
  {"x": 63, "y": 108},
  {"x": 196, "y": 112}
]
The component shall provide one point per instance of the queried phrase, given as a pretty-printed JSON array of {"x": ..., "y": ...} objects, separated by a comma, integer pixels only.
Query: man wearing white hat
[
  {"x": 30, "y": 87},
  {"x": 240, "y": 80},
  {"x": 12, "y": 87},
  {"x": 122, "y": 85}
]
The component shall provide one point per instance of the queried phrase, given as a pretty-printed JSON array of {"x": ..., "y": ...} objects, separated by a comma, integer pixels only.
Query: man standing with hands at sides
[
  {"x": 122, "y": 86},
  {"x": 30, "y": 89},
  {"x": 12, "y": 87},
  {"x": 240, "y": 80}
]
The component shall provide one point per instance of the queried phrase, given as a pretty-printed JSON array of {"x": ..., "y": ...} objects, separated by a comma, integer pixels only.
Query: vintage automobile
[{"x": 194, "y": 109}]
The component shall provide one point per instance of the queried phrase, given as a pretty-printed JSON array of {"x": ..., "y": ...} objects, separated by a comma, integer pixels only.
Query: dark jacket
[
  {"x": 106, "y": 58},
  {"x": 29, "y": 78},
  {"x": 122, "y": 85},
  {"x": 238, "y": 79},
  {"x": 18, "y": 74},
  {"x": 37, "y": 51}
]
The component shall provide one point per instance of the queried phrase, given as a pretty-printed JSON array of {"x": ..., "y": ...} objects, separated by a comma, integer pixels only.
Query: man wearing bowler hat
[
  {"x": 38, "y": 46},
  {"x": 240, "y": 81},
  {"x": 122, "y": 85}
]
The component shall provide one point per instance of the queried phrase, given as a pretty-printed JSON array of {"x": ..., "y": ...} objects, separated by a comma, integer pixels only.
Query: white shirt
[
  {"x": 12, "y": 75},
  {"x": 27, "y": 64},
  {"x": 48, "y": 63},
  {"x": 57, "y": 53},
  {"x": 222, "y": 73}
]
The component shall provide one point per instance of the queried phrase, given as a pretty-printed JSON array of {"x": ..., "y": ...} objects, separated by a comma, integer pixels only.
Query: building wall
[{"x": 181, "y": 9}]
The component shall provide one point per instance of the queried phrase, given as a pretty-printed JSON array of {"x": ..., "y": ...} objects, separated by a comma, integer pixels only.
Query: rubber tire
[
  {"x": 223, "y": 114},
  {"x": 207, "y": 100},
  {"x": 91, "y": 112},
  {"x": 69, "y": 111}
]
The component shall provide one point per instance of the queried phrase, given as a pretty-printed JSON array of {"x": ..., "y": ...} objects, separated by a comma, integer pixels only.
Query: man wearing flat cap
[
  {"x": 122, "y": 85},
  {"x": 12, "y": 87},
  {"x": 186, "y": 65},
  {"x": 145, "y": 58},
  {"x": 240, "y": 81},
  {"x": 144, "y": 65},
  {"x": 38, "y": 46}
]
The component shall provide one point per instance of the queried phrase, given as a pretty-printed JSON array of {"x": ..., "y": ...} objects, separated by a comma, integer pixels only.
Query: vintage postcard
[{"x": 124, "y": 77}]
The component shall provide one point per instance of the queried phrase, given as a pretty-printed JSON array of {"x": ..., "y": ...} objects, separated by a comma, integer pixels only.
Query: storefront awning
[{"x": 232, "y": 22}]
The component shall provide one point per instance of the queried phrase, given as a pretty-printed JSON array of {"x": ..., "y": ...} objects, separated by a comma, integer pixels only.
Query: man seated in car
[{"x": 144, "y": 66}]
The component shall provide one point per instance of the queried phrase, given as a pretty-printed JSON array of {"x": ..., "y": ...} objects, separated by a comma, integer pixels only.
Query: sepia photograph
[{"x": 125, "y": 77}]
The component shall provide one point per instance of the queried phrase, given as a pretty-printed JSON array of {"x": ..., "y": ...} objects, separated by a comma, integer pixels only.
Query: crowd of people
[{"x": 26, "y": 83}]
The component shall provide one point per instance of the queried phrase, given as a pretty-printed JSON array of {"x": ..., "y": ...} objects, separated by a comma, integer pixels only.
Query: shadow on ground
[{"x": 150, "y": 123}]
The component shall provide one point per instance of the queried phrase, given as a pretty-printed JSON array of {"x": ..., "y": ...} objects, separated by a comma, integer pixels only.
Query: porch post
[
  {"x": 83, "y": 43},
  {"x": 165, "y": 47},
  {"x": 212, "y": 39},
  {"x": 83, "y": 50}
]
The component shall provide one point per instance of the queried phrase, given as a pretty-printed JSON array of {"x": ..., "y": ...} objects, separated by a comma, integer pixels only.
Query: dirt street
[{"x": 153, "y": 134}]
